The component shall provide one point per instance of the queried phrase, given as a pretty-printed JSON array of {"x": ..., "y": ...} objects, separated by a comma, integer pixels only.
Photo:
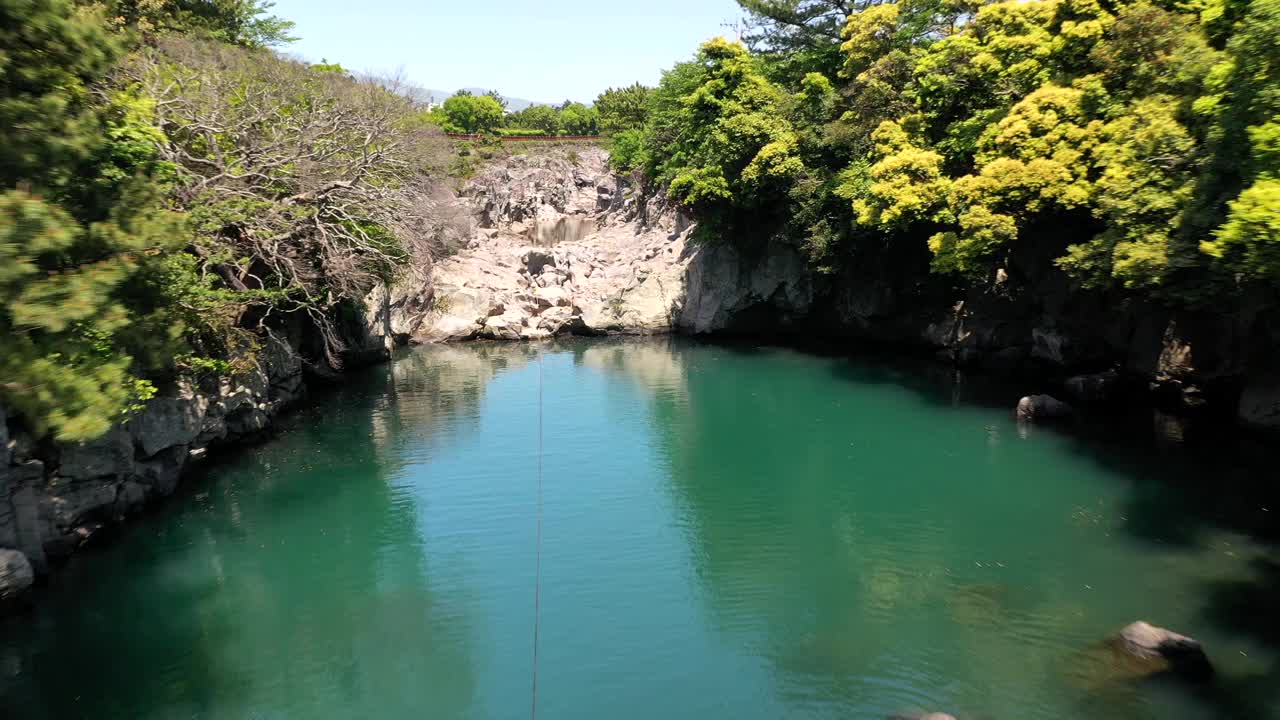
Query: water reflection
[
  {"x": 891, "y": 542},
  {"x": 730, "y": 532},
  {"x": 293, "y": 585}
]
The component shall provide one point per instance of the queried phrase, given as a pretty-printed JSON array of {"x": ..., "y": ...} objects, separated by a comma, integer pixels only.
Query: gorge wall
[
  {"x": 551, "y": 243},
  {"x": 58, "y": 497},
  {"x": 561, "y": 245}
]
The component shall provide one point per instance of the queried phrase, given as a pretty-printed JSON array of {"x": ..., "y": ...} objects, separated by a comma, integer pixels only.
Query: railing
[{"x": 523, "y": 138}]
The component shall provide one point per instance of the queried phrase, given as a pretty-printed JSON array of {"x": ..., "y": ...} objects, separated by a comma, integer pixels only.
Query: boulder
[
  {"x": 535, "y": 260},
  {"x": 1154, "y": 650},
  {"x": 924, "y": 716},
  {"x": 108, "y": 456},
  {"x": 1096, "y": 388},
  {"x": 558, "y": 319},
  {"x": 161, "y": 472},
  {"x": 449, "y": 328},
  {"x": 166, "y": 422},
  {"x": 507, "y": 326},
  {"x": 247, "y": 422},
  {"x": 552, "y": 297},
  {"x": 16, "y": 575},
  {"x": 69, "y": 505},
  {"x": 1041, "y": 408}
]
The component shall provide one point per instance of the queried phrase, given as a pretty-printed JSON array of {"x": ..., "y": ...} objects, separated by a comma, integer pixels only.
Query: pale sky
[{"x": 546, "y": 51}]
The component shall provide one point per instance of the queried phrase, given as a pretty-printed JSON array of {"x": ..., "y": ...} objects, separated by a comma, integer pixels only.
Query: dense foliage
[
  {"x": 163, "y": 202},
  {"x": 570, "y": 118},
  {"x": 1134, "y": 145}
]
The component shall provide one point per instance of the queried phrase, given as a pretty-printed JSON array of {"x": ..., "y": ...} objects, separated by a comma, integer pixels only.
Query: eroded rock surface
[
  {"x": 55, "y": 499},
  {"x": 563, "y": 246}
]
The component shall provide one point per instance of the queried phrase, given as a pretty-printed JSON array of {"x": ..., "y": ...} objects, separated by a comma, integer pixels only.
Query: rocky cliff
[
  {"x": 561, "y": 245},
  {"x": 56, "y": 497},
  {"x": 554, "y": 243}
]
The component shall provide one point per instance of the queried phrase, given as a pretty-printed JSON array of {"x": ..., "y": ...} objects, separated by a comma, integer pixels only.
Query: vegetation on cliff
[
  {"x": 169, "y": 187},
  {"x": 1134, "y": 145}
]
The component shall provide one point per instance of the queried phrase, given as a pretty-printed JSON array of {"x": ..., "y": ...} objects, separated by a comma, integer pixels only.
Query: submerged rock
[
  {"x": 1040, "y": 408},
  {"x": 924, "y": 716},
  {"x": 1154, "y": 650}
]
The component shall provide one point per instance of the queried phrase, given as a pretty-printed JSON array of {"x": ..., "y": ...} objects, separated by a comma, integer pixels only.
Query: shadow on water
[
  {"x": 1184, "y": 483},
  {"x": 838, "y": 543},
  {"x": 286, "y": 582}
]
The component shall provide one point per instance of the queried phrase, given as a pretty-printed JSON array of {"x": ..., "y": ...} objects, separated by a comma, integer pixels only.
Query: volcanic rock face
[
  {"x": 562, "y": 245},
  {"x": 552, "y": 242}
]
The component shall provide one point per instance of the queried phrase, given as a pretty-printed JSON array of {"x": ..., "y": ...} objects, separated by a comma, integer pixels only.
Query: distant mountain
[{"x": 514, "y": 104}]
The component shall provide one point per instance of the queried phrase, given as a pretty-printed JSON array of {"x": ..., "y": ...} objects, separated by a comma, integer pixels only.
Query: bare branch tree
[{"x": 307, "y": 187}]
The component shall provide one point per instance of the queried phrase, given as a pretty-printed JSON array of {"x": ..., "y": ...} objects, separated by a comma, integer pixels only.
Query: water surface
[{"x": 729, "y": 533}]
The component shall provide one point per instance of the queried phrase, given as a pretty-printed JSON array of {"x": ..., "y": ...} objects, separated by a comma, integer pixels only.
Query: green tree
[
  {"x": 578, "y": 119},
  {"x": 473, "y": 113},
  {"x": 539, "y": 117},
  {"x": 79, "y": 217},
  {"x": 248, "y": 23},
  {"x": 623, "y": 108},
  {"x": 799, "y": 36},
  {"x": 736, "y": 149},
  {"x": 497, "y": 96}
]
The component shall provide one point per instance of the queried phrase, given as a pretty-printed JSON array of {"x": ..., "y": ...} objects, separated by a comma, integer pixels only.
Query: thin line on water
[{"x": 537, "y": 567}]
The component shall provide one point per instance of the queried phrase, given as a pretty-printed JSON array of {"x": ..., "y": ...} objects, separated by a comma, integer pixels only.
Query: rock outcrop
[
  {"x": 558, "y": 245},
  {"x": 54, "y": 501},
  {"x": 563, "y": 246},
  {"x": 16, "y": 577},
  {"x": 56, "y": 498},
  {"x": 1042, "y": 408},
  {"x": 1150, "y": 650}
]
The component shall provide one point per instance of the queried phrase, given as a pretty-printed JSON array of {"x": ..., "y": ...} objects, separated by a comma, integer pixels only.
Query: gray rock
[
  {"x": 29, "y": 526},
  {"x": 1260, "y": 402},
  {"x": 283, "y": 364},
  {"x": 70, "y": 505},
  {"x": 166, "y": 422},
  {"x": 247, "y": 422},
  {"x": 1096, "y": 388},
  {"x": 552, "y": 297},
  {"x": 161, "y": 472},
  {"x": 16, "y": 575},
  {"x": 108, "y": 456},
  {"x": 1041, "y": 408},
  {"x": 536, "y": 260},
  {"x": 503, "y": 327},
  {"x": 1157, "y": 650},
  {"x": 129, "y": 498}
]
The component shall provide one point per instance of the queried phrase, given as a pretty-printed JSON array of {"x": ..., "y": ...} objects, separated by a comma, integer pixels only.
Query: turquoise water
[{"x": 729, "y": 533}]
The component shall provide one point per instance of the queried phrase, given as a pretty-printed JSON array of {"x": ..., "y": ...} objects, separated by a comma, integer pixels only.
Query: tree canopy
[
  {"x": 984, "y": 131},
  {"x": 169, "y": 188}
]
